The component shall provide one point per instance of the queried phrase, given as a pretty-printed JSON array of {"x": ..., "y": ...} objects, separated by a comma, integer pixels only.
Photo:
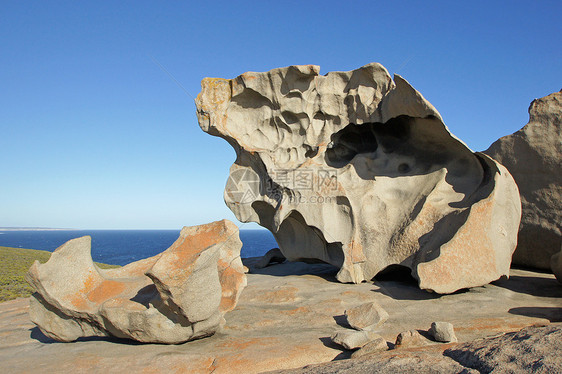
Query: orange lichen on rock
[
  {"x": 279, "y": 295},
  {"x": 108, "y": 289},
  {"x": 299, "y": 310},
  {"x": 160, "y": 299},
  {"x": 233, "y": 281},
  {"x": 371, "y": 175},
  {"x": 492, "y": 325}
]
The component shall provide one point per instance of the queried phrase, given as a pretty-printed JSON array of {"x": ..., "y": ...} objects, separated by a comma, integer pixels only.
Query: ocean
[{"x": 120, "y": 247}]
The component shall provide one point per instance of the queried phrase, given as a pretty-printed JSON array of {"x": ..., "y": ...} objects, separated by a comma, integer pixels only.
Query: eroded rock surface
[
  {"x": 267, "y": 332},
  {"x": 533, "y": 155},
  {"x": 359, "y": 171},
  {"x": 531, "y": 350},
  {"x": 179, "y": 295}
]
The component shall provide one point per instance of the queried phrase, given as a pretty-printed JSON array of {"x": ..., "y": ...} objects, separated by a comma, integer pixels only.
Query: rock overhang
[{"x": 395, "y": 185}]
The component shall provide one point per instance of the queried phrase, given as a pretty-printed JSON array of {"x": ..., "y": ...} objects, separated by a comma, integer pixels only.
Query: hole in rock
[
  {"x": 311, "y": 151},
  {"x": 395, "y": 135},
  {"x": 403, "y": 168},
  {"x": 145, "y": 295},
  {"x": 396, "y": 273},
  {"x": 301, "y": 242},
  {"x": 368, "y": 137},
  {"x": 350, "y": 141}
]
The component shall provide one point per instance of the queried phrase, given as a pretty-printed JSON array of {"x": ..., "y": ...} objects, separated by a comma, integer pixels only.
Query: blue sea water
[{"x": 120, "y": 247}]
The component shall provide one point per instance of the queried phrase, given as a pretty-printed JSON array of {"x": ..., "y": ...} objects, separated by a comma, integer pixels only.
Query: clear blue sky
[{"x": 95, "y": 135}]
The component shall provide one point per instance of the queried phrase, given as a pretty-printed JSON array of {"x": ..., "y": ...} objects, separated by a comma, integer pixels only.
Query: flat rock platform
[{"x": 284, "y": 319}]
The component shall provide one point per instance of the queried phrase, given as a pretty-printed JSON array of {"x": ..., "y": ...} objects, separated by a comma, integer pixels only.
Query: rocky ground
[
  {"x": 534, "y": 349},
  {"x": 287, "y": 313}
]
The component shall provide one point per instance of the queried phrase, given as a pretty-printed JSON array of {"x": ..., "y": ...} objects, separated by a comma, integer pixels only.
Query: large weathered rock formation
[
  {"x": 179, "y": 295},
  {"x": 533, "y": 155},
  {"x": 357, "y": 170}
]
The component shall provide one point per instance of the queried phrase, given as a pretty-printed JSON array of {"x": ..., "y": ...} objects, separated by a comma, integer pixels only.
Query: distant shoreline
[
  {"x": 33, "y": 229},
  {"x": 51, "y": 229}
]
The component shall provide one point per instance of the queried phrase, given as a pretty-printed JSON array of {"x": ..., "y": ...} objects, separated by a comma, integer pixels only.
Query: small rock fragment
[
  {"x": 351, "y": 339},
  {"x": 443, "y": 332},
  {"x": 374, "y": 346},
  {"x": 366, "y": 316},
  {"x": 273, "y": 256},
  {"x": 409, "y": 339}
]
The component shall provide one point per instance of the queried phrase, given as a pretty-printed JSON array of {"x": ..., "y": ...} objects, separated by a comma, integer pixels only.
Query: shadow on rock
[
  {"x": 322, "y": 270},
  {"x": 426, "y": 335},
  {"x": 551, "y": 313},
  {"x": 403, "y": 291},
  {"x": 397, "y": 282},
  {"x": 532, "y": 349},
  {"x": 37, "y": 334},
  {"x": 535, "y": 286},
  {"x": 344, "y": 355},
  {"x": 341, "y": 320}
]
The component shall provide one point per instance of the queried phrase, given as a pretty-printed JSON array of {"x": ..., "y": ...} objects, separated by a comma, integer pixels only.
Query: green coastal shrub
[{"x": 14, "y": 263}]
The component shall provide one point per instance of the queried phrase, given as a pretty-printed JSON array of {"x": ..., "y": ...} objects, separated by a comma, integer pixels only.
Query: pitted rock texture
[
  {"x": 179, "y": 295},
  {"x": 533, "y": 155},
  {"x": 359, "y": 171}
]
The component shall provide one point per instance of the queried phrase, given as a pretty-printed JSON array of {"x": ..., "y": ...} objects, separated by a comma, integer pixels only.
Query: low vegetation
[{"x": 14, "y": 263}]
